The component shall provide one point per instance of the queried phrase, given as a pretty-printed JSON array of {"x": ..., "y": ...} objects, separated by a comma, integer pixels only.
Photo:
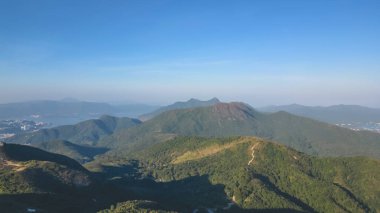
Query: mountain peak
[
  {"x": 194, "y": 100},
  {"x": 215, "y": 100},
  {"x": 191, "y": 103},
  {"x": 233, "y": 106},
  {"x": 237, "y": 110}
]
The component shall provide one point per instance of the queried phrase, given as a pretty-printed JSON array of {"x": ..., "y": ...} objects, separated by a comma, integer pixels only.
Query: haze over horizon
[{"x": 158, "y": 52}]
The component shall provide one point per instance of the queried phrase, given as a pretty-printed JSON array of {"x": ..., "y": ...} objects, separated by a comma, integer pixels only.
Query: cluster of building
[
  {"x": 9, "y": 128},
  {"x": 360, "y": 126}
]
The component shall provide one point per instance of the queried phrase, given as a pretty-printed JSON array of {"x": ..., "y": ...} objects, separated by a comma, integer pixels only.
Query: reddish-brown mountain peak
[{"x": 233, "y": 110}]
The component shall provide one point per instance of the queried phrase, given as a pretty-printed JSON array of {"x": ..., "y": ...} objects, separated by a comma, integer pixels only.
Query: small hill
[
  {"x": 26, "y": 169},
  {"x": 243, "y": 174},
  {"x": 239, "y": 119},
  {"x": 84, "y": 133},
  {"x": 21, "y": 153},
  {"x": 34, "y": 179},
  {"x": 180, "y": 105}
]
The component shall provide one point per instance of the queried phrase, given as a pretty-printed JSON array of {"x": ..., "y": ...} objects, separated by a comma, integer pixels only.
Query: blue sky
[{"x": 318, "y": 52}]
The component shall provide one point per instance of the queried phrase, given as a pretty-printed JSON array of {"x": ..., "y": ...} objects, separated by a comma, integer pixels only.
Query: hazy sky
[{"x": 261, "y": 52}]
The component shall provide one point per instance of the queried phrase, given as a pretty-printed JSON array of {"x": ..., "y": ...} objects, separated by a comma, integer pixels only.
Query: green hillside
[
  {"x": 21, "y": 153},
  {"x": 28, "y": 169},
  {"x": 84, "y": 133},
  {"x": 247, "y": 173},
  {"x": 236, "y": 174},
  {"x": 238, "y": 119},
  {"x": 31, "y": 178}
]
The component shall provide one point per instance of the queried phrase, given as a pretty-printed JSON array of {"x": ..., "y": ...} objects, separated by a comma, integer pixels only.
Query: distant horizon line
[{"x": 127, "y": 102}]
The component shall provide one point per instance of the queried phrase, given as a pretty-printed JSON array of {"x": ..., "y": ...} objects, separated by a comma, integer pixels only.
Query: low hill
[
  {"x": 239, "y": 119},
  {"x": 26, "y": 169},
  {"x": 40, "y": 181},
  {"x": 331, "y": 114},
  {"x": 84, "y": 133},
  {"x": 243, "y": 174},
  {"x": 180, "y": 105}
]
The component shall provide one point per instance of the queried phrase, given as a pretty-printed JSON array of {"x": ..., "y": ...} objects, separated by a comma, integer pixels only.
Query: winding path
[{"x": 253, "y": 153}]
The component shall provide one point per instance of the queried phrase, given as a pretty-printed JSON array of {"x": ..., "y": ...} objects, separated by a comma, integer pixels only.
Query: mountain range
[
  {"x": 195, "y": 156},
  {"x": 218, "y": 120},
  {"x": 331, "y": 114},
  {"x": 239, "y": 119}
]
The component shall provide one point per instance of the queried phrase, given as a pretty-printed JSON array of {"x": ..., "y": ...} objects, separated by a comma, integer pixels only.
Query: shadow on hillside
[
  {"x": 181, "y": 195},
  {"x": 42, "y": 203},
  {"x": 52, "y": 203},
  {"x": 90, "y": 151},
  {"x": 285, "y": 195},
  {"x": 85, "y": 199},
  {"x": 185, "y": 195},
  {"x": 130, "y": 170}
]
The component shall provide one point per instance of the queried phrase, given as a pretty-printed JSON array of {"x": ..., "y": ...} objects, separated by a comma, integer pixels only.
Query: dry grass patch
[
  {"x": 211, "y": 150},
  {"x": 18, "y": 167}
]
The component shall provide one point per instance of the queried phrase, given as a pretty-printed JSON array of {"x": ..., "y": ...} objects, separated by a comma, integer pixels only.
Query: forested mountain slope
[{"x": 248, "y": 173}]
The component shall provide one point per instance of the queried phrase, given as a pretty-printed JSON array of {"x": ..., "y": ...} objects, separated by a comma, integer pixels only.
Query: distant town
[
  {"x": 359, "y": 126},
  {"x": 9, "y": 128}
]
